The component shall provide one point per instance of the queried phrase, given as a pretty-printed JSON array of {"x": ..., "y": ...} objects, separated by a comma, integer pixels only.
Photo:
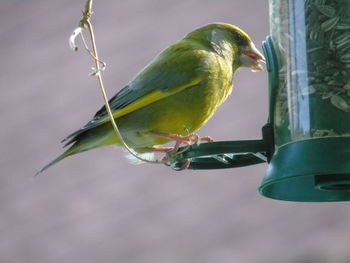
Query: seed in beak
[{"x": 255, "y": 56}]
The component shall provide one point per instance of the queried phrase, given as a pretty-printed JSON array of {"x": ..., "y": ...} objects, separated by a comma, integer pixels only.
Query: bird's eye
[{"x": 240, "y": 40}]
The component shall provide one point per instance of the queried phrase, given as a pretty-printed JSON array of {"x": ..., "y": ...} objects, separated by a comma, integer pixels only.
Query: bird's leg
[
  {"x": 194, "y": 138},
  {"x": 160, "y": 149},
  {"x": 179, "y": 139}
]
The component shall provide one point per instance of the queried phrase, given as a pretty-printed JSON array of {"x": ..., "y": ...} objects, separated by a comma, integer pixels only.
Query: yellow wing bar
[{"x": 152, "y": 97}]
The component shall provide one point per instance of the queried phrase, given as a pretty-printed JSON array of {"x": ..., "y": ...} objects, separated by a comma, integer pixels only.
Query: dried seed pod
[
  {"x": 347, "y": 86},
  {"x": 331, "y": 82},
  {"x": 310, "y": 50},
  {"x": 320, "y": 87},
  {"x": 344, "y": 50},
  {"x": 343, "y": 44},
  {"x": 329, "y": 23},
  {"x": 342, "y": 26},
  {"x": 340, "y": 103},
  {"x": 326, "y": 10},
  {"x": 332, "y": 71},
  {"x": 327, "y": 95},
  {"x": 313, "y": 35},
  {"x": 320, "y": 2},
  {"x": 327, "y": 78},
  {"x": 331, "y": 45},
  {"x": 345, "y": 58},
  {"x": 342, "y": 38}
]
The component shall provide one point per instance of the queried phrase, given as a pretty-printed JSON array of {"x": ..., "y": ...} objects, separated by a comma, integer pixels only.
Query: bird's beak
[{"x": 251, "y": 58}]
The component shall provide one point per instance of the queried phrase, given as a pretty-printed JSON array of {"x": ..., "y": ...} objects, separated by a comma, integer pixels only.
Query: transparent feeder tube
[{"x": 312, "y": 41}]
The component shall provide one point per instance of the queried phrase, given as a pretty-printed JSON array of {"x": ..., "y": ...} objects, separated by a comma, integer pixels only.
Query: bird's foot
[
  {"x": 183, "y": 140},
  {"x": 170, "y": 159},
  {"x": 174, "y": 151},
  {"x": 170, "y": 162}
]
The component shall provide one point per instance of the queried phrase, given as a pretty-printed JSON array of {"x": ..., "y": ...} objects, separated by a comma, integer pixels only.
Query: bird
[{"x": 173, "y": 96}]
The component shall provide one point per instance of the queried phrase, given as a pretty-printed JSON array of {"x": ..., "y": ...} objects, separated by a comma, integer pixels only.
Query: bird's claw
[
  {"x": 172, "y": 164},
  {"x": 170, "y": 159}
]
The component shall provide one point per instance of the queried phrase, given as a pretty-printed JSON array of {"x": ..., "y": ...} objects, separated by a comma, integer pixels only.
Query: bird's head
[{"x": 226, "y": 38}]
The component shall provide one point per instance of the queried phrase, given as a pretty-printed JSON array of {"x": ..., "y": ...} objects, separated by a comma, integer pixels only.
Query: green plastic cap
[{"x": 314, "y": 170}]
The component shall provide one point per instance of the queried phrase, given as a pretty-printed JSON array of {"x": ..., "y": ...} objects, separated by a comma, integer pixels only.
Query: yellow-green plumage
[{"x": 176, "y": 93}]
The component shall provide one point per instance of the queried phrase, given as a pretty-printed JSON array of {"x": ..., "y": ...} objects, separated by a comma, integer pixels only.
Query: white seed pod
[{"x": 340, "y": 103}]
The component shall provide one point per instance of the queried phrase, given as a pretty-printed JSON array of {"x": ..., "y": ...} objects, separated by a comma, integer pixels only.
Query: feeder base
[{"x": 314, "y": 170}]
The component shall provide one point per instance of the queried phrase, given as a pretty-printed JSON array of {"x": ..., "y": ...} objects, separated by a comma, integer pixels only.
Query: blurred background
[{"x": 95, "y": 206}]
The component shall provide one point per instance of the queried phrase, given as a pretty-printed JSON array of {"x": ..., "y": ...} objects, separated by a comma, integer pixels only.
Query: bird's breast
[{"x": 181, "y": 113}]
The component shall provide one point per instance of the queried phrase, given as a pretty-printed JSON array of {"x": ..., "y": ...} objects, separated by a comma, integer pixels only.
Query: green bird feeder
[{"x": 307, "y": 138}]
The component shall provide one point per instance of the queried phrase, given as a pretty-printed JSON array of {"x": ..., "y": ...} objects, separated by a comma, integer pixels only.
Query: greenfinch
[{"x": 174, "y": 95}]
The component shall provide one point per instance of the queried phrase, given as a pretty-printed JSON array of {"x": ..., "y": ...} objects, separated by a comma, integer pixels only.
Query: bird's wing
[{"x": 174, "y": 70}]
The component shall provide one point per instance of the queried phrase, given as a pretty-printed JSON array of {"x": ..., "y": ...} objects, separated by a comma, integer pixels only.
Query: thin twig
[
  {"x": 85, "y": 23},
  {"x": 102, "y": 63}
]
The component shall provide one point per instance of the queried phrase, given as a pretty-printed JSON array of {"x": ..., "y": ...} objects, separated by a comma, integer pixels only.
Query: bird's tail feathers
[
  {"x": 75, "y": 148},
  {"x": 83, "y": 142},
  {"x": 59, "y": 158}
]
